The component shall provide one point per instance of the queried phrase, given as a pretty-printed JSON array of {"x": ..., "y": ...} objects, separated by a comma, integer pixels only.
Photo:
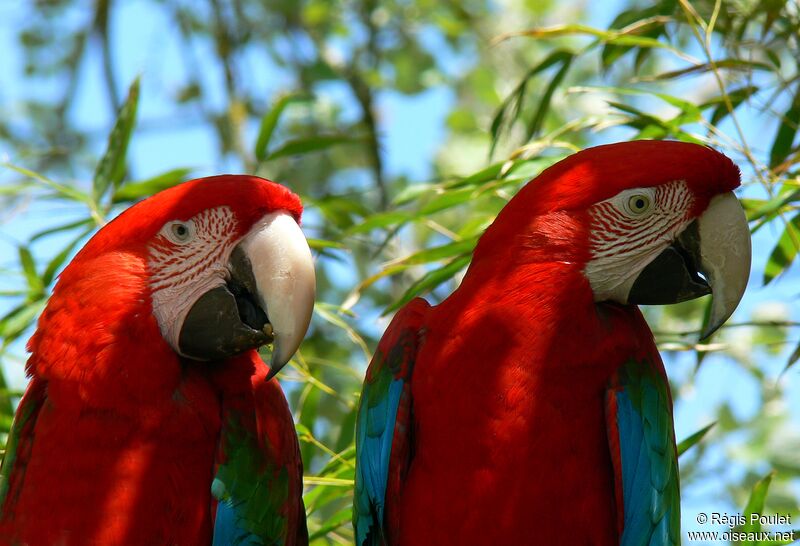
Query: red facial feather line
[
  {"x": 175, "y": 265},
  {"x": 614, "y": 233}
]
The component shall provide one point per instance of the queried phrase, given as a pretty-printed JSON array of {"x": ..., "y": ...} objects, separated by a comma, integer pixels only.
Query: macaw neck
[
  {"x": 98, "y": 336},
  {"x": 544, "y": 308}
]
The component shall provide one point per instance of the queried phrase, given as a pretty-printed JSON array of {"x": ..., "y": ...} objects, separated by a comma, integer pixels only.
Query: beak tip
[
  {"x": 277, "y": 361},
  {"x": 273, "y": 371}
]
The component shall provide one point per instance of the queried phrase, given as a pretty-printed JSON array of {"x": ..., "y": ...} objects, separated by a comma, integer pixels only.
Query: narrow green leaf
[
  {"x": 784, "y": 137},
  {"x": 429, "y": 281},
  {"x": 320, "y": 244},
  {"x": 727, "y": 64},
  {"x": 735, "y": 96},
  {"x": 29, "y": 270},
  {"x": 302, "y": 146},
  {"x": 60, "y": 189},
  {"x": 684, "y": 106},
  {"x": 693, "y": 439},
  {"x": 785, "y": 250},
  {"x": 755, "y": 505},
  {"x": 332, "y": 523},
  {"x": 270, "y": 121},
  {"x": 605, "y": 36},
  {"x": 15, "y": 322},
  {"x": 381, "y": 220},
  {"x": 59, "y": 229},
  {"x": 513, "y": 103},
  {"x": 440, "y": 252},
  {"x": 111, "y": 169},
  {"x": 133, "y": 191},
  {"x": 535, "y": 125},
  {"x": 411, "y": 192},
  {"x": 770, "y": 208},
  {"x": 61, "y": 257},
  {"x": 487, "y": 174},
  {"x": 445, "y": 200},
  {"x": 793, "y": 358},
  {"x": 13, "y": 189}
]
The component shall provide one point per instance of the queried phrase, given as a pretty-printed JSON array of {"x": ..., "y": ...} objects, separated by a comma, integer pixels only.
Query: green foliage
[{"x": 723, "y": 73}]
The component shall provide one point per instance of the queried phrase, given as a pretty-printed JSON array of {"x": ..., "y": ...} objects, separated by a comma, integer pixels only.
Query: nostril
[{"x": 250, "y": 313}]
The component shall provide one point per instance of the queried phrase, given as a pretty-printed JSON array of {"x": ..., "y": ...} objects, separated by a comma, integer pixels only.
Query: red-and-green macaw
[
  {"x": 150, "y": 418},
  {"x": 531, "y": 406}
]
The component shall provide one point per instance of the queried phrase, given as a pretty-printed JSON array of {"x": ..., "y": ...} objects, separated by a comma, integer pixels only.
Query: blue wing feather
[
  {"x": 381, "y": 426},
  {"x": 372, "y": 462},
  {"x": 643, "y": 452}
]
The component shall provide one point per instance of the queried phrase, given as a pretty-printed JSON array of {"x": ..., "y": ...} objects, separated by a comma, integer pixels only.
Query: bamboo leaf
[
  {"x": 440, "y": 252},
  {"x": 693, "y": 439},
  {"x": 429, "y": 281},
  {"x": 111, "y": 169},
  {"x": 132, "y": 191},
  {"x": 787, "y": 130},
  {"x": 60, "y": 189},
  {"x": 793, "y": 358},
  {"x": 19, "y": 319},
  {"x": 270, "y": 120},
  {"x": 513, "y": 102},
  {"x": 487, "y": 174},
  {"x": 755, "y": 505},
  {"x": 58, "y": 260},
  {"x": 59, "y": 229},
  {"x": 381, "y": 220},
  {"x": 605, "y": 36},
  {"x": 333, "y": 522},
  {"x": 727, "y": 64},
  {"x": 302, "y": 146},
  {"x": 535, "y": 125},
  {"x": 785, "y": 250},
  {"x": 35, "y": 285}
]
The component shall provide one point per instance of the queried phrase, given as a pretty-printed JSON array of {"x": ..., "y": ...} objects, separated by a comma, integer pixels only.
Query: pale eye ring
[
  {"x": 179, "y": 232},
  {"x": 638, "y": 204}
]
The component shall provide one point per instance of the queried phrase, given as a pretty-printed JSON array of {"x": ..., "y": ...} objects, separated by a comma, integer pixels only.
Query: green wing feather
[
  {"x": 19, "y": 445},
  {"x": 258, "y": 483}
]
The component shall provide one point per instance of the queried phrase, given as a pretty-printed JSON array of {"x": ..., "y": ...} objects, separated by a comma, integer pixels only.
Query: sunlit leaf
[
  {"x": 59, "y": 259},
  {"x": 19, "y": 319},
  {"x": 755, "y": 505},
  {"x": 58, "y": 229},
  {"x": 381, "y": 220},
  {"x": 785, "y": 250},
  {"x": 787, "y": 130},
  {"x": 270, "y": 120},
  {"x": 693, "y": 439},
  {"x": 111, "y": 169},
  {"x": 133, "y": 191},
  {"x": 302, "y": 146},
  {"x": 511, "y": 108},
  {"x": 429, "y": 281},
  {"x": 35, "y": 285}
]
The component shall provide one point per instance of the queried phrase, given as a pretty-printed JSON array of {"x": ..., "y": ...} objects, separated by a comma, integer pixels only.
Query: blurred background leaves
[{"x": 302, "y": 92}]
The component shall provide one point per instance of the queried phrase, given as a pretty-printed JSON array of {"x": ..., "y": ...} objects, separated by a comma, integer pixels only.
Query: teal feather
[
  {"x": 647, "y": 460},
  {"x": 383, "y": 427}
]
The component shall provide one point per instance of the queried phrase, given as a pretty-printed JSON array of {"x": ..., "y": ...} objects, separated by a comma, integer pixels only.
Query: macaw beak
[
  {"x": 711, "y": 256},
  {"x": 268, "y": 298}
]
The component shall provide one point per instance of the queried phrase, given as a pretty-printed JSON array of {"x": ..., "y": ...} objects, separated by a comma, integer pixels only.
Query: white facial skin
[
  {"x": 187, "y": 259},
  {"x": 629, "y": 230}
]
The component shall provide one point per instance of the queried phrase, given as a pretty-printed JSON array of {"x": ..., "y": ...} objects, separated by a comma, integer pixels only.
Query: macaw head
[
  {"x": 646, "y": 222},
  {"x": 226, "y": 267}
]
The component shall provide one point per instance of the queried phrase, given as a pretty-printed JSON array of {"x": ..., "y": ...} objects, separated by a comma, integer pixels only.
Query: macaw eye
[
  {"x": 179, "y": 232},
  {"x": 638, "y": 204}
]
